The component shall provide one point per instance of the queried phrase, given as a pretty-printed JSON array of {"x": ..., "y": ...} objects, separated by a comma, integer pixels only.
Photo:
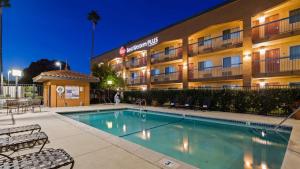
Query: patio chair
[
  {"x": 16, "y": 143},
  {"x": 36, "y": 103},
  {"x": 46, "y": 159},
  {"x": 11, "y": 105},
  {"x": 20, "y": 129}
]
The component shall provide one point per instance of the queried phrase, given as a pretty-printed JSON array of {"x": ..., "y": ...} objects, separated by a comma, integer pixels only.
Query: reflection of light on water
[
  {"x": 185, "y": 144},
  {"x": 116, "y": 114},
  {"x": 264, "y": 166},
  {"x": 124, "y": 128},
  {"x": 261, "y": 141},
  {"x": 109, "y": 124},
  {"x": 146, "y": 135},
  {"x": 263, "y": 133},
  {"x": 248, "y": 160}
]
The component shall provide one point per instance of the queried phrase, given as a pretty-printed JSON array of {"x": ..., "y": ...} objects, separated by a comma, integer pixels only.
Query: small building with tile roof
[{"x": 65, "y": 88}]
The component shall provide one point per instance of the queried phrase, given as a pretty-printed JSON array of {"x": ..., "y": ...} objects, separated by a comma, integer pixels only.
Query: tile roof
[{"x": 64, "y": 75}]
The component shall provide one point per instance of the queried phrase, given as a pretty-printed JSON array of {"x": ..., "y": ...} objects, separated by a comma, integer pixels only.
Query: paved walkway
[{"x": 93, "y": 148}]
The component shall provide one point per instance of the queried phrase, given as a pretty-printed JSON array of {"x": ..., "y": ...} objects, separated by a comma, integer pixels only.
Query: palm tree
[
  {"x": 94, "y": 18},
  {"x": 3, "y": 4}
]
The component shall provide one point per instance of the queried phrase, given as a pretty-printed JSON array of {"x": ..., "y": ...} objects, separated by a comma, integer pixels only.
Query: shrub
[{"x": 274, "y": 102}]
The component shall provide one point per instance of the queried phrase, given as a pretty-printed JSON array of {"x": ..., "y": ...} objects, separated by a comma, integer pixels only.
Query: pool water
[{"x": 206, "y": 144}]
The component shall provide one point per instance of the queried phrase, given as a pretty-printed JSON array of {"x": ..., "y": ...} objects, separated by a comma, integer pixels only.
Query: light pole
[
  {"x": 109, "y": 83},
  {"x": 17, "y": 73},
  {"x": 58, "y": 64},
  {"x": 8, "y": 74}
]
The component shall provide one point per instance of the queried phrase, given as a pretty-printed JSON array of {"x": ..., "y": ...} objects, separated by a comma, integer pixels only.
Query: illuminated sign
[
  {"x": 148, "y": 43},
  {"x": 122, "y": 51}
]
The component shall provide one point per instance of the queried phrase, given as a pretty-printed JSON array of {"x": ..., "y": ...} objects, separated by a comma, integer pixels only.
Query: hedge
[{"x": 274, "y": 102}]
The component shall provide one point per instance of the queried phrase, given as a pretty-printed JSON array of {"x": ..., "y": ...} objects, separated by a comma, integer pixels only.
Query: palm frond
[
  {"x": 94, "y": 17},
  {"x": 4, "y": 3}
]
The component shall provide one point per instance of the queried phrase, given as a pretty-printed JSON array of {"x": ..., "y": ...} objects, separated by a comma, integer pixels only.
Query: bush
[{"x": 274, "y": 102}]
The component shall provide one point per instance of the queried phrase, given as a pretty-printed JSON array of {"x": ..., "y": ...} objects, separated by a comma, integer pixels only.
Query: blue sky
[{"x": 58, "y": 29}]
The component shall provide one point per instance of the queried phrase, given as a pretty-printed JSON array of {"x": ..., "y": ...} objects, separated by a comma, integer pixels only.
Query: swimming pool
[{"x": 202, "y": 142}]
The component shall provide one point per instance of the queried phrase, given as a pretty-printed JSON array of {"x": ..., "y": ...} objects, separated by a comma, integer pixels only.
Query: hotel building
[{"x": 239, "y": 43}]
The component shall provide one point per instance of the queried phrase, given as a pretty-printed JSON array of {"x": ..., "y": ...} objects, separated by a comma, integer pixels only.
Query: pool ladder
[
  {"x": 288, "y": 117},
  {"x": 140, "y": 103}
]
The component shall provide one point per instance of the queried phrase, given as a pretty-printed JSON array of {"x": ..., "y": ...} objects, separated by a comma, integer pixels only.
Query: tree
[
  {"x": 94, "y": 18},
  {"x": 109, "y": 79},
  {"x": 36, "y": 68},
  {"x": 3, "y": 4}
]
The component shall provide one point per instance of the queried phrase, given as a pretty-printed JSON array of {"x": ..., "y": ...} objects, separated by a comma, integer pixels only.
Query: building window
[
  {"x": 167, "y": 50},
  {"x": 201, "y": 41},
  {"x": 235, "y": 33},
  {"x": 133, "y": 60},
  {"x": 295, "y": 52},
  {"x": 169, "y": 70},
  {"x": 294, "y": 16},
  {"x": 134, "y": 75},
  {"x": 205, "y": 65},
  {"x": 226, "y": 34},
  {"x": 155, "y": 72},
  {"x": 233, "y": 61},
  {"x": 207, "y": 41},
  {"x": 230, "y": 86}
]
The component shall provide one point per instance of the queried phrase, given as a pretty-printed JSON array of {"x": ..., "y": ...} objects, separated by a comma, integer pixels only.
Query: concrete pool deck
[{"x": 93, "y": 148}]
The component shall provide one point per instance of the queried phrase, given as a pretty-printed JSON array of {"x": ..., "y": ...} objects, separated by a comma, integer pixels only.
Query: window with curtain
[
  {"x": 294, "y": 16},
  {"x": 205, "y": 65},
  {"x": 235, "y": 33},
  {"x": 207, "y": 41},
  {"x": 295, "y": 52}
]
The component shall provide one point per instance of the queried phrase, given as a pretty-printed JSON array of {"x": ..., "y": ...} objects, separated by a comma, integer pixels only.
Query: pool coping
[{"x": 291, "y": 158}]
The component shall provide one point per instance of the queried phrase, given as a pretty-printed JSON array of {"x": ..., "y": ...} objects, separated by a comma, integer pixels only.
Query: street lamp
[
  {"x": 109, "y": 83},
  {"x": 58, "y": 64},
  {"x": 17, "y": 73}
]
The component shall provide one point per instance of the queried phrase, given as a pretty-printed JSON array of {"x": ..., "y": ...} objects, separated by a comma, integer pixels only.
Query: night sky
[{"x": 59, "y": 29}]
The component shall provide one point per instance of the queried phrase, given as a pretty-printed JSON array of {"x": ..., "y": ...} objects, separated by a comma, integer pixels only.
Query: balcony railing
[
  {"x": 167, "y": 77},
  {"x": 216, "y": 72},
  {"x": 140, "y": 62},
  {"x": 162, "y": 56},
  {"x": 136, "y": 81},
  {"x": 275, "y": 28},
  {"x": 276, "y": 66},
  {"x": 231, "y": 40},
  {"x": 117, "y": 67}
]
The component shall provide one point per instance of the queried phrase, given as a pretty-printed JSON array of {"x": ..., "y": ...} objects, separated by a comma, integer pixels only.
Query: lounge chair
[
  {"x": 204, "y": 105},
  {"x": 20, "y": 129},
  {"x": 16, "y": 143},
  {"x": 46, "y": 159},
  {"x": 11, "y": 105}
]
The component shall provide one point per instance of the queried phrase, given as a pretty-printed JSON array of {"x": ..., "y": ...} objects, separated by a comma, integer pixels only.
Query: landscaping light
[{"x": 109, "y": 82}]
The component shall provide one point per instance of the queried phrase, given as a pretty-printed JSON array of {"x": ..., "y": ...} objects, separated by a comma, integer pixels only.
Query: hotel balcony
[
  {"x": 173, "y": 77},
  {"x": 141, "y": 80},
  {"x": 117, "y": 67},
  {"x": 216, "y": 73},
  {"x": 140, "y": 62},
  {"x": 165, "y": 56},
  {"x": 276, "y": 29},
  {"x": 226, "y": 41},
  {"x": 284, "y": 66}
]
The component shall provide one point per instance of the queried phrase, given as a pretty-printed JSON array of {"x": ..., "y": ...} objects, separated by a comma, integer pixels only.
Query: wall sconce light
[
  {"x": 262, "y": 84},
  {"x": 262, "y": 19},
  {"x": 144, "y": 88},
  {"x": 247, "y": 56}
]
